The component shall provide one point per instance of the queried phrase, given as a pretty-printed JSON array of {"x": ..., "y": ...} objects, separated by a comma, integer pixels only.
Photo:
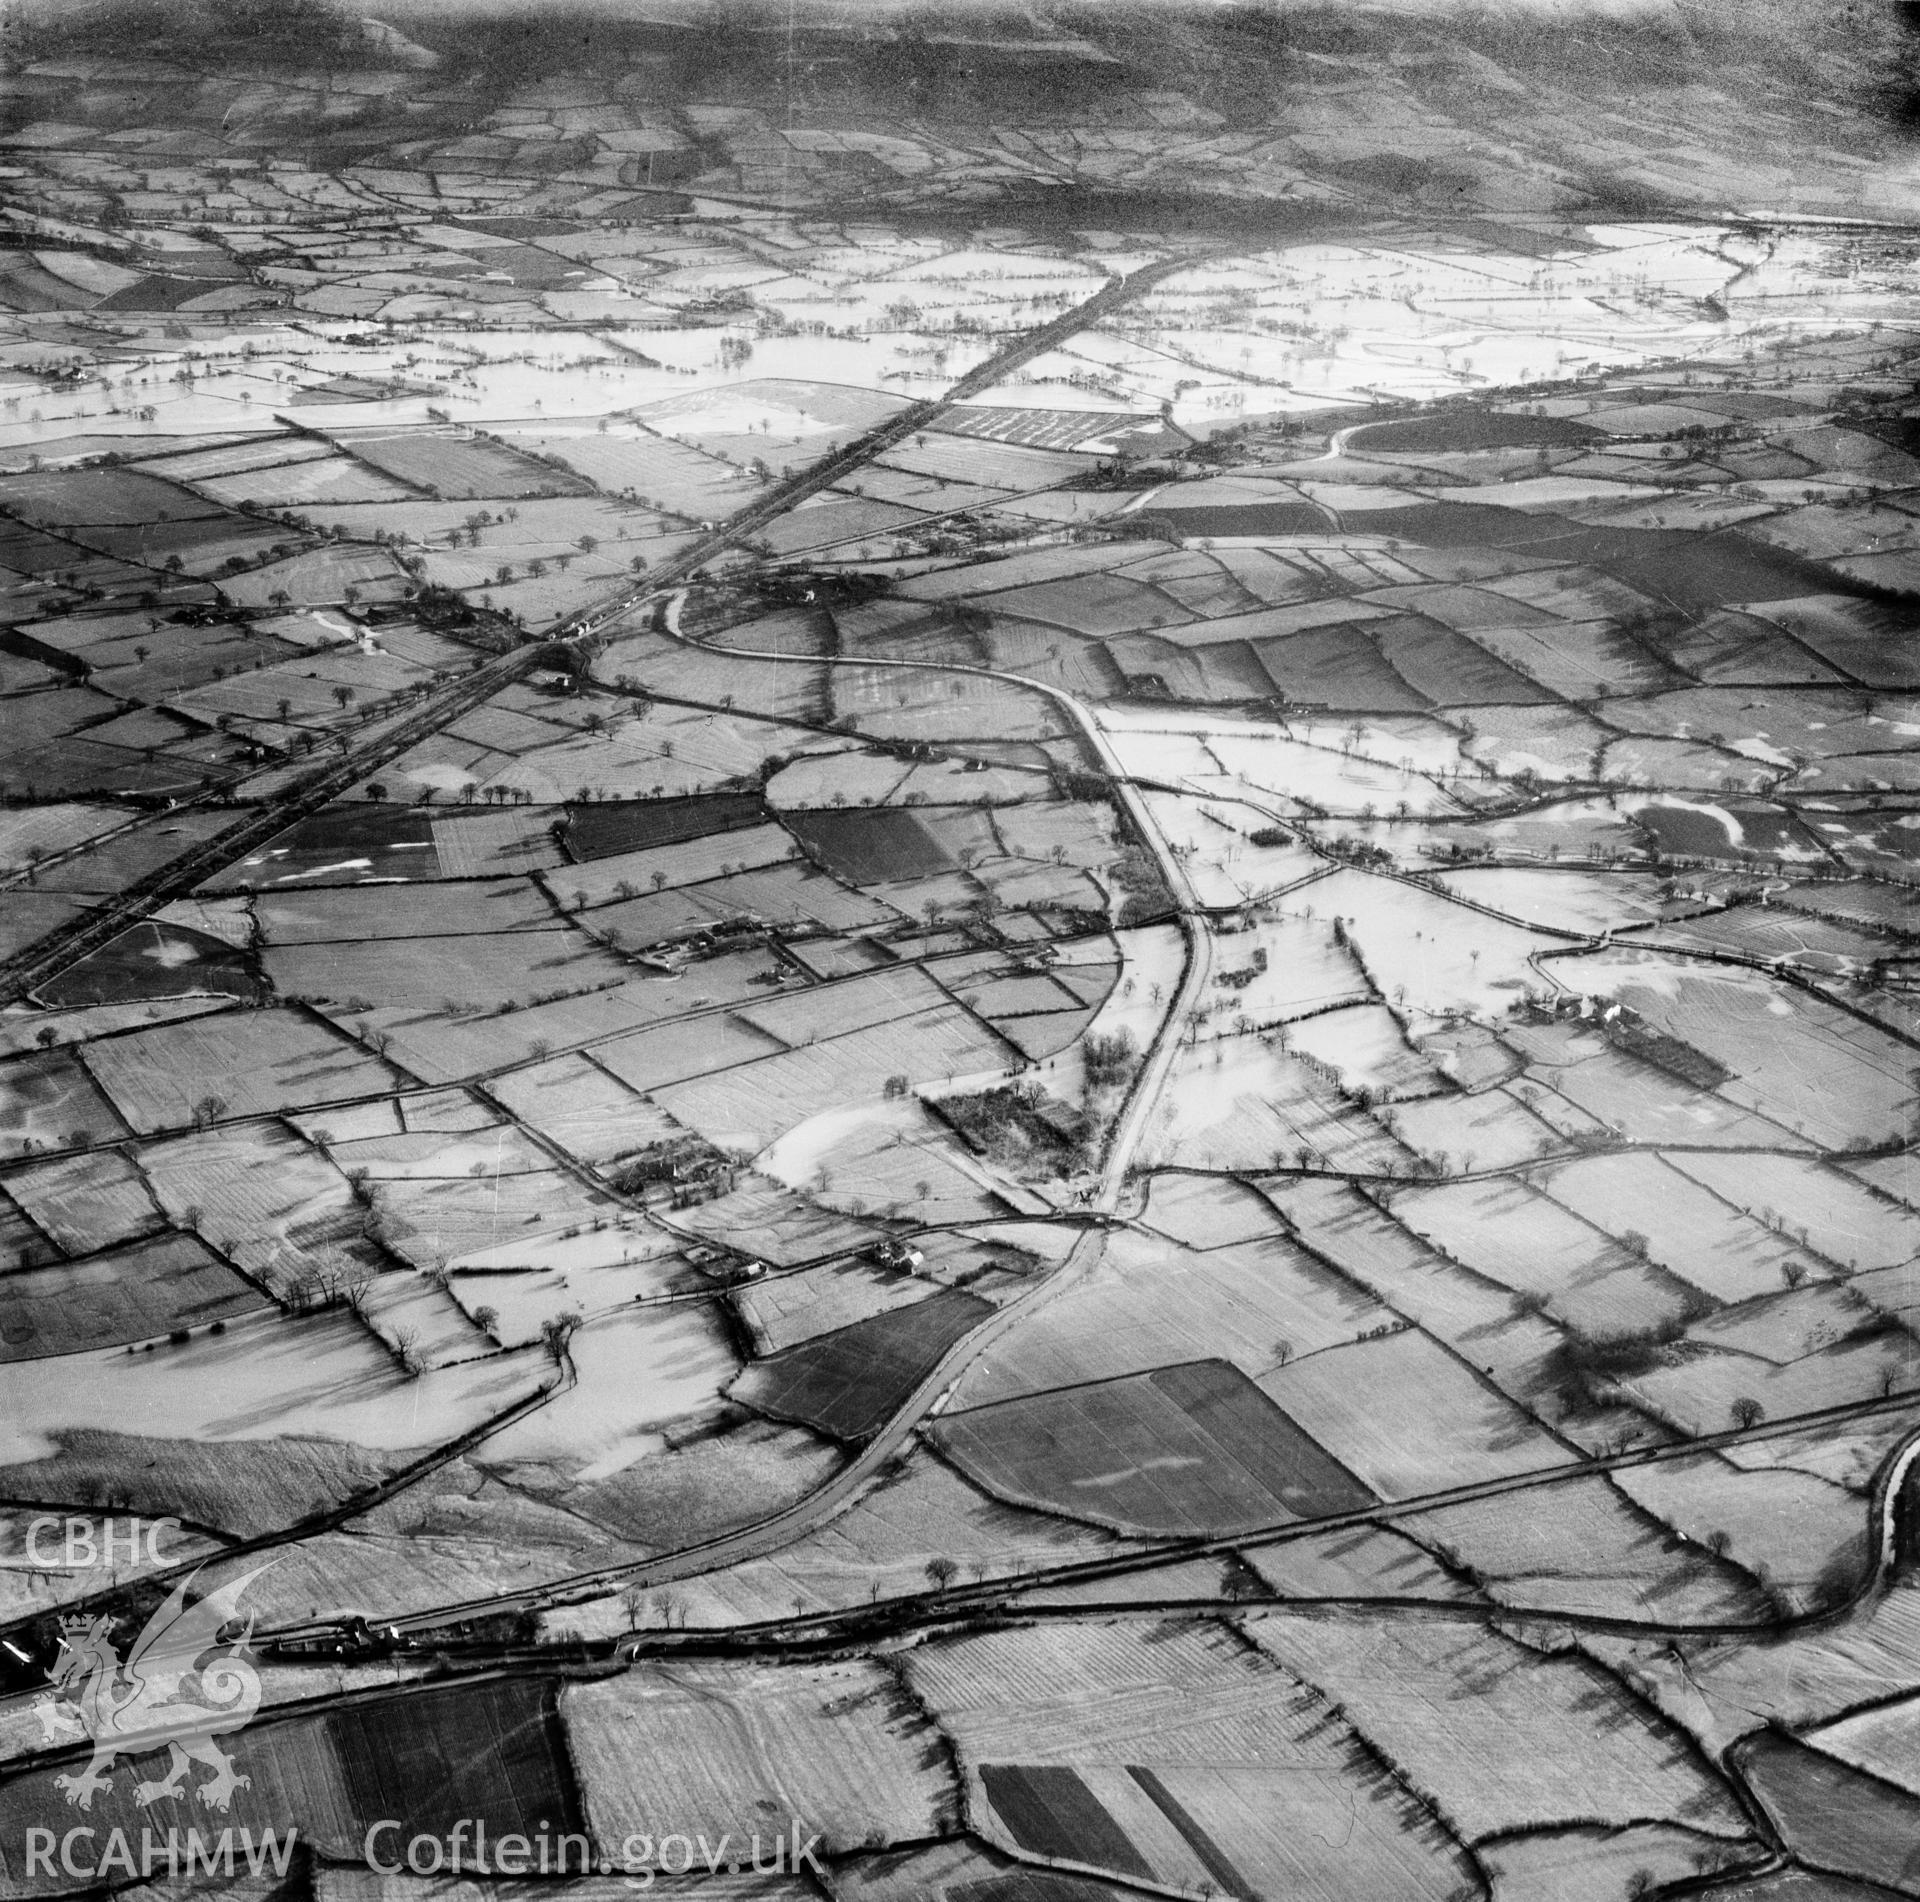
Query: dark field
[
  {"x": 202, "y": 544},
  {"x": 604, "y": 831},
  {"x": 1689, "y": 572},
  {"x": 789, "y": 896},
  {"x": 871, "y": 848},
  {"x": 847, "y": 1383},
  {"x": 48, "y": 1095},
  {"x": 1337, "y": 666},
  {"x": 528, "y": 226},
  {"x": 28, "y": 552},
  {"x": 157, "y": 293},
  {"x": 34, "y": 718},
  {"x": 1247, "y": 518},
  {"x": 1196, "y": 1448},
  {"x": 460, "y": 468},
  {"x": 30, "y": 915},
  {"x": 1196, "y": 1836},
  {"x": 178, "y": 658},
  {"x": 153, "y": 960},
  {"x": 243, "y": 1487},
  {"x": 490, "y": 1751},
  {"x": 1883, "y": 832},
  {"x": 1458, "y": 429},
  {"x": 1831, "y": 1815},
  {"x": 133, "y": 1294},
  {"x": 395, "y": 842},
  {"x": 1684, "y": 832},
  {"x": 1048, "y": 1809},
  {"x": 72, "y": 767},
  {"x": 99, "y": 496}
]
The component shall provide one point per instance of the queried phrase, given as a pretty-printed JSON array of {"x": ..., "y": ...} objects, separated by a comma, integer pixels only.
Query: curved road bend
[{"x": 806, "y": 1515}]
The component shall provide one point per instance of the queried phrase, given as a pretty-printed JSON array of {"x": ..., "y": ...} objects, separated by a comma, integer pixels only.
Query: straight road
[{"x": 36, "y": 963}]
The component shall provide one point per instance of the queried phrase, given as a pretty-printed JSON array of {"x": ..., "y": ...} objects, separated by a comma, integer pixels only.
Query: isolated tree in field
[
  {"x": 486, "y": 1318},
  {"x": 342, "y": 696},
  {"x": 284, "y": 708},
  {"x": 46, "y": 1037},
  {"x": 1747, "y": 1413},
  {"x": 633, "y": 1602},
  {"x": 376, "y": 791},
  {"x": 208, "y": 1110},
  {"x": 942, "y": 1571}
]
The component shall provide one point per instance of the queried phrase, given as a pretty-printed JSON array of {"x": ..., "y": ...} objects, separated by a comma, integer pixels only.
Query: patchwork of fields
[{"x": 1034, "y": 992}]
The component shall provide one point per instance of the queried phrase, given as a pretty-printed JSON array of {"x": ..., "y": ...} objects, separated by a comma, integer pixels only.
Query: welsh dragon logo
[{"x": 161, "y": 1695}]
